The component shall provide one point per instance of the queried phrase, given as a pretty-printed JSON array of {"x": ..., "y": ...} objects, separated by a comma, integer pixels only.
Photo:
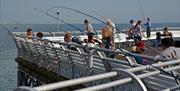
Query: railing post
[
  {"x": 89, "y": 52},
  {"x": 89, "y": 58}
]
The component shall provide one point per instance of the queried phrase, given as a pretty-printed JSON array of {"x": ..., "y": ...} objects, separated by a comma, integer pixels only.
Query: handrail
[
  {"x": 77, "y": 81},
  {"x": 155, "y": 64},
  {"x": 125, "y": 80},
  {"x": 104, "y": 75},
  {"x": 121, "y": 51}
]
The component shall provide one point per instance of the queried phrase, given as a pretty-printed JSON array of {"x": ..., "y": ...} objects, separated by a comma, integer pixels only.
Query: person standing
[
  {"x": 107, "y": 42},
  {"x": 137, "y": 31},
  {"x": 89, "y": 28},
  {"x": 29, "y": 33},
  {"x": 132, "y": 24},
  {"x": 148, "y": 28},
  {"x": 112, "y": 28}
]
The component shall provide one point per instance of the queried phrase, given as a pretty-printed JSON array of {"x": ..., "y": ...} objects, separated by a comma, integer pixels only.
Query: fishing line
[
  {"x": 142, "y": 10},
  {"x": 99, "y": 15},
  {"x": 59, "y": 20},
  {"x": 6, "y": 29},
  {"x": 172, "y": 74},
  {"x": 82, "y": 13},
  {"x": 77, "y": 12}
]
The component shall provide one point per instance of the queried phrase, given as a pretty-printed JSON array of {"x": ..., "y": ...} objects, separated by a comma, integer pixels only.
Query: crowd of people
[{"x": 108, "y": 39}]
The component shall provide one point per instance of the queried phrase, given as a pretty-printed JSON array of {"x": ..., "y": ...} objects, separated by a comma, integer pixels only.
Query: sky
[{"x": 119, "y": 11}]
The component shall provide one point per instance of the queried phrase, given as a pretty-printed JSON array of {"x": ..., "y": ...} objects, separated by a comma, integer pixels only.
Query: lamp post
[{"x": 57, "y": 21}]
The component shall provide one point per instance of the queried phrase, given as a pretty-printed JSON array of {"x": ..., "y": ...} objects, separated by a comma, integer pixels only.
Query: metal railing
[{"x": 84, "y": 61}]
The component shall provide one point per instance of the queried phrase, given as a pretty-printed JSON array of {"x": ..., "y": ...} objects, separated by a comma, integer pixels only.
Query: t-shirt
[
  {"x": 170, "y": 53},
  {"x": 132, "y": 26},
  {"x": 137, "y": 31},
  {"x": 148, "y": 25},
  {"x": 89, "y": 28}
]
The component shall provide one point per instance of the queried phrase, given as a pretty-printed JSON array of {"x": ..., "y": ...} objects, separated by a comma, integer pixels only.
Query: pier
[{"x": 46, "y": 64}]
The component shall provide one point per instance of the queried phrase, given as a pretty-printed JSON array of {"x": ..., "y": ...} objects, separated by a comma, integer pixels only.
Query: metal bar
[
  {"x": 75, "y": 81},
  {"x": 156, "y": 64},
  {"x": 24, "y": 88},
  {"x": 157, "y": 72},
  {"x": 125, "y": 80},
  {"x": 122, "y": 51},
  {"x": 116, "y": 61},
  {"x": 107, "y": 85},
  {"x": 177, "y": 87}
]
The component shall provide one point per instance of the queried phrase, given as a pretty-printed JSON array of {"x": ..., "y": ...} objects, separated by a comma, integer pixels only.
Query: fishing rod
[
  {"x": 153, "y": 49},
  {"x": 142, "y": 10},
  {"x": 6, "y": 29},
  {"x": 59, "y": 19},
  {"x": 103, "y": 21},
  {"x": 46, "y": 13},
  {"x": 172, "y": 74},
  {"x": 83, "y": 14},
  {"x": 77, "y": 12}
]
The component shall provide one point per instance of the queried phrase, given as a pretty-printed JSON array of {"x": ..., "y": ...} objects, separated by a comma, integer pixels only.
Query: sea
[{"x": 8, "y": 50}]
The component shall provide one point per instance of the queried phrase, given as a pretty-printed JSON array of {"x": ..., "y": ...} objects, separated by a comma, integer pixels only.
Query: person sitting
[
  {"x": 39, "y": 35},
  {"x": 68, "y": 39},
  {"x": 166, "y": 32},
  {"x": 169, "y": 51},
  {"x": 91, "y": 39},
  {"x": 139, "y": 48},
  {"x": 158, "y": 39},
  {"x": 138, "y": 59},
  {"x": 29, "y": 33}
]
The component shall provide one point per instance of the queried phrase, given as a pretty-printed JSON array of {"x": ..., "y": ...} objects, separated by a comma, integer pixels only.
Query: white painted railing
[{"x": 74, "y": 64}]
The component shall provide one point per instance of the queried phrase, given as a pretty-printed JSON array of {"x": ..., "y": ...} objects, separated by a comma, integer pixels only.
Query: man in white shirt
[
  {"x": 169, "y": 51},
  {"x": 89, "y": 27}
]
